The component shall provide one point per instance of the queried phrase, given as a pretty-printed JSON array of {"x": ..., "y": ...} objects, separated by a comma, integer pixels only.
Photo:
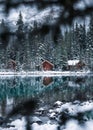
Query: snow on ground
[
  {"x": 19, "y": 124},
  {"x": 73, "y": 124},
  {"x": 35, "y": 126},
  {"x": 44, "y": 73},
  {"x": 73, "y": 109}
]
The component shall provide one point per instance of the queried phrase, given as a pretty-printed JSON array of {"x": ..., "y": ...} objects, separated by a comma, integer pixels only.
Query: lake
[{"x": 47, "y": 90}]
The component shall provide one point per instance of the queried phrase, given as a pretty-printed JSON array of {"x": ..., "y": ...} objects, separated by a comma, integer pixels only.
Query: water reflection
[
  {"x": 47, "y": 80},
  {"x": 15, "y": 89}
]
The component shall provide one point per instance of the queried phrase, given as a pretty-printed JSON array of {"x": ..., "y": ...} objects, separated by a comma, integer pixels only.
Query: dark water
[{"x": 48, "y": 89}]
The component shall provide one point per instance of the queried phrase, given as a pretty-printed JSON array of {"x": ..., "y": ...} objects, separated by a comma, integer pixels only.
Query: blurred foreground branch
[
  {"x": 69, "y": 11},
  {"x": 70, "y": 8}
]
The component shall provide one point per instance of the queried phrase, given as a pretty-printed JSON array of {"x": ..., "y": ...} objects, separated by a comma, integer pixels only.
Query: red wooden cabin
[
  {"x": 46, "y": 65},
  {"x": 11, "y": 65}
]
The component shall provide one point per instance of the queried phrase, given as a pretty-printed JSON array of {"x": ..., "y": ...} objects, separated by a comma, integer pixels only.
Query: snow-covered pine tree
[
  {"x": 60, "y": 53},
  {"x": 20, "y": 28},
  {"x": 82, "y": 41},
  {"x": 20, "y": 42},
  {"x": 76, "y": 41},
  {"x": 90, "y": 43}
]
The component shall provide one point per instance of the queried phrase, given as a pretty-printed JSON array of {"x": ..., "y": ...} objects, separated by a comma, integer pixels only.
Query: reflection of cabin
[
  {"x": 46, "y": 65},
  {"x": 47, "y": 80},
  {"x": 11, "y": 64},
  {"x": 75, "y": 65}
]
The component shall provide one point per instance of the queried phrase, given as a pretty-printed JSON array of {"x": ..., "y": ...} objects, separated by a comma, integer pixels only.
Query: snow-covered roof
[
  {"x": 72, "y": 62},
  {"x": 47, "y": 62}
]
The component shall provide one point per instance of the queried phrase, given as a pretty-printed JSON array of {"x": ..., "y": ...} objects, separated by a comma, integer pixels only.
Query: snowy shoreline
[
  {"x": 45, "y": 73},
  {"x": 71, "y": 110}
]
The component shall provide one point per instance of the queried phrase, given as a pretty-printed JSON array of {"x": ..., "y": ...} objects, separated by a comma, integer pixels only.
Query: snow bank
[
  {"x": 35, "y": 126},
  {"x": 44, "y": 73},
  {"x": 19, "y": 124},
  {"x": 73, "y": 124},
  {"x": 75, "y": 108}
]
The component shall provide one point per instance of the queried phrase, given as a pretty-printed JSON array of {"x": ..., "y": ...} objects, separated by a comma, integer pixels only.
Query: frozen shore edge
[{"x": 46, "y": 73}]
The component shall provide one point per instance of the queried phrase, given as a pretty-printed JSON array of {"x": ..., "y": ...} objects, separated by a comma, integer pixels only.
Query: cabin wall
[{"x": 47, "y": 66}]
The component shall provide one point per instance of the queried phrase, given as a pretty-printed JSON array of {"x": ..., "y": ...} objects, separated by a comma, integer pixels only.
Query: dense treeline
[{"x": 29, "y": 50}]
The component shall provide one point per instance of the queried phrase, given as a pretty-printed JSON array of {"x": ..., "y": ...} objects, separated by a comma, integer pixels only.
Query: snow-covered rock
[
  {"x": 35, "y": 126},
  {"x": 52, "y": 115},
  {"x": 74, "y": 108},
  {"x": 76, "y": 102},
  {"x": 51, "y": 110},
  {"x": 58, "y": 103},
  {"x": 70, "y": 109},
  {"x": 36, "y": 120},
  {"x": 73, "y": 124},
  {"x": 19, "y": 124},
  {"x": 73, "y": 84},
  {"x": 42, "y": 111}
]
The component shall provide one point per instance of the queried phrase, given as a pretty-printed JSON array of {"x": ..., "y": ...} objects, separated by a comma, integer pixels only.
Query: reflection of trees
[
  {"x": 3, "y": 107},
  {"x": 58, "y": 90},
  {"x": 61, "y": 90},
  {"x": 16, "y": 87},
  {"x": 27, "y": 88},
  {"x": 69, "y": 10}
]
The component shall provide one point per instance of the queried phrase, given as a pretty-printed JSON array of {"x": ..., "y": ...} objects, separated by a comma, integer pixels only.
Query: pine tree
[
  {"x": 70, "y": 43},
  {"x": 60, "y": 53},
  {"x": 20, "y": 42},
  {"x": 82, "y": 41},
  {"x": 20, "y": 28},
  {"x": 48, "y": 47},
  {"x": 76, "y": 42},
  {"x": 4, "y": 36},
  {"x": 90, "y": 43}
]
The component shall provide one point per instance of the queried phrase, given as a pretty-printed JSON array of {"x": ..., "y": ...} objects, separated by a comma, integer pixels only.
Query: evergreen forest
[{"x": 29, "y": 50}]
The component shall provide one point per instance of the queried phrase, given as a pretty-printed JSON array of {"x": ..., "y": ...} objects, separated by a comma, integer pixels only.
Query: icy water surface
[{"x": 61, "y": 102}]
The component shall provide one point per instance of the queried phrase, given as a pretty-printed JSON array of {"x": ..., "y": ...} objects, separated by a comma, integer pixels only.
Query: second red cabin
[{"x": 46, "y": 65}]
